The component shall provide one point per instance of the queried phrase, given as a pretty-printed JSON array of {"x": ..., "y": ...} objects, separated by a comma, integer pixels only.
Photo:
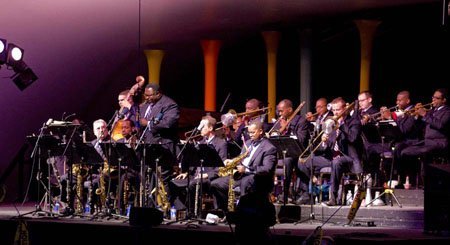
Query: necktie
[{"x": 148, "y": 110}]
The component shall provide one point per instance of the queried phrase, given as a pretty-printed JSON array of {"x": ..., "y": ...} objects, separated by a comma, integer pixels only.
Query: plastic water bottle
[
  {"x": 173, "y": 213},
  {"x": 56, "y": 207},
  {"x": 349, "y": 197},
  {"x": 128, "y": 210},
  {"x": 87, "y": 209}
]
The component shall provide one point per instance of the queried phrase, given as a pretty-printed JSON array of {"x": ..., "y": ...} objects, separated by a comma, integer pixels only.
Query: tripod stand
[{"x": 391, "y": 132}]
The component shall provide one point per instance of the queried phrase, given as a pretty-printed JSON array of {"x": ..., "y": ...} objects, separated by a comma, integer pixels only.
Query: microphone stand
[{"x": 194, "y": 131}]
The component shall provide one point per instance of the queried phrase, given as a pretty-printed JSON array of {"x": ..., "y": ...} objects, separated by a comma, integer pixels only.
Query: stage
[{"x": 372, "y": 225}]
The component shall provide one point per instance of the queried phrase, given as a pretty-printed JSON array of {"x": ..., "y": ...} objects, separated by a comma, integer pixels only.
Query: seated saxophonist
[
  {"x": 178, "y": 185},
  {"x": 258, "y": 156}
]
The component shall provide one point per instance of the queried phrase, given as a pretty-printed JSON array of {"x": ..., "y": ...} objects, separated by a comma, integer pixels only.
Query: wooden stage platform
[{"x": 371, "y": 225}]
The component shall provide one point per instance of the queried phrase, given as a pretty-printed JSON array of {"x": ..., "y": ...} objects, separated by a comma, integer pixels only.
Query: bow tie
[{"x": 256, "y": 143}]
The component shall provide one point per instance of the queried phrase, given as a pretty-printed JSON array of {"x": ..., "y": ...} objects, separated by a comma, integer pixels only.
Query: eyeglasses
[
  {"x": 149, "y": 95},
  {"x": 437, "y": 98}
]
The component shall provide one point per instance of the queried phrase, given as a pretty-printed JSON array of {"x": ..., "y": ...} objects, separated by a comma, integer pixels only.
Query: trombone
[
  {"x": 328, "y": 126},
  {"x": 227, "y": 119}
]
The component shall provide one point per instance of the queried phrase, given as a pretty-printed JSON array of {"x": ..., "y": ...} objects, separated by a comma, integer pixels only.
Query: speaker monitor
[
  {"x": 437, "y": 198},
  {"x": 289, "y": 214},
  {"x": 143, "y": 216}
]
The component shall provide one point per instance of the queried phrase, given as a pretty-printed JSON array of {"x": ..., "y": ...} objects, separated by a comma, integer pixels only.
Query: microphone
[
  {"x": 122, "y": 113},
  {"x": 49, "y": 121},
  {"x": 69, "y": 116},
  {"x": 158, "y": 118},
  {"x": 201, "y": 125}
]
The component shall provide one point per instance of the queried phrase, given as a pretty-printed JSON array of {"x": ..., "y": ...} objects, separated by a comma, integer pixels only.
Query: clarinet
[{"x": 197, "y": 189}]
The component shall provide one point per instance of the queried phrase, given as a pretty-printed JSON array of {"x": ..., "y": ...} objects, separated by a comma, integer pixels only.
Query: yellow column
[
  {"x": 154, "y": 59},
  {"x": 210, "y": 54},
  {"x": 271, "y": 39},
  {"x": 367, "y": 30}
]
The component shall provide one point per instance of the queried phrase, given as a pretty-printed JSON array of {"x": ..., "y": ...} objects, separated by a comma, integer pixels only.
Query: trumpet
[
  {"x": 413, "y": 111},
  {"x": 312, "y": 116},
  {"x": 377, "y": 116}
]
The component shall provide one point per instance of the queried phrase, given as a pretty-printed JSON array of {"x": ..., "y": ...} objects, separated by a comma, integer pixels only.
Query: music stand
[
  {"x": 198, "y": 156},
  {"x": 120, "y": 155},
  {"x": 390, "y": 131},
  {"x": 50, "y": 144},
  {"x": 286, "y": 147}
]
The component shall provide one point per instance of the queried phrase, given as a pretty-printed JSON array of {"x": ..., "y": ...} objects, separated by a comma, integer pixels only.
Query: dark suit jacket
[
  {"x": 163, "y": 123},
  {"x": 264, "y": 159},
  {"x": 438, "y": 125},
  {"x": 410, "y": 128},
  {"x": 349, "y": 141},
  {"x": 300, "y": 128},
  {"x": 220, "y": 145}
]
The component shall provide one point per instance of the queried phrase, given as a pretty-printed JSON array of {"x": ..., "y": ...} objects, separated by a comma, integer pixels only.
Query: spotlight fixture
[
  {"x": 3, "y": 51},
  {"x": 24, "y": 78},
  {"x": 14, "y": 54}
]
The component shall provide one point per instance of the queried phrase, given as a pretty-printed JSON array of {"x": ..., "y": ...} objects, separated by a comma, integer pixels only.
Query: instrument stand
[
  {"x": 392, "y": 133},
  {"x": 312, "y": 215},
  {"x": 389, "y": 191},
  {"x": 198, "y": 156},
  {"x": 36, "y": 153}
]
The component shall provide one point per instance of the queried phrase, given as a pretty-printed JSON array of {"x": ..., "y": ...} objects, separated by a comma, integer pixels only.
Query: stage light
[
  {"x": 14, "y": 54},
  {"x": 2, "y": 51},
  {"x": 25, "y": 78}
]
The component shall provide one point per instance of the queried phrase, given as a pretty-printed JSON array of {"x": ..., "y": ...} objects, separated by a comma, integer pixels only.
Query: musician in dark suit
[
  {"x": 179, "y": 183},
  {"x": 253, "y": 110},
  {"x": 159, "y": 123},
  {"x": 342, "y": 147},
  {"x": 410, "y": 130},
  {"x": 259, "y": 156},
  {"x": 437, "y": 128},
  {"x": 294, "y": 125}
]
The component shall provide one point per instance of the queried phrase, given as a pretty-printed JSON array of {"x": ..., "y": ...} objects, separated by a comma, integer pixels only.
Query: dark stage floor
[{"x": 371, "y": 225}]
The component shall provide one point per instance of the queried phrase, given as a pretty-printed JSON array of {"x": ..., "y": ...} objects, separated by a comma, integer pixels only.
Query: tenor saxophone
[
  {"x": 161, "y": 195},
  {"x": 231, "y": 195},
  {"x": 101, "y": 190},
  {"x": 228, "y": 171},
  {"x": 78, "y": 200}
]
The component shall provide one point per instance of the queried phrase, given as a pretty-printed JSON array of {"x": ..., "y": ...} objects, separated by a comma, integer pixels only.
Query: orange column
[
  {"x": 367, "y": 30},
  {"x": 271, "y": 39},
  {"x": 154, "y": 59},
  {"x": 211, "y": 54}
]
